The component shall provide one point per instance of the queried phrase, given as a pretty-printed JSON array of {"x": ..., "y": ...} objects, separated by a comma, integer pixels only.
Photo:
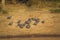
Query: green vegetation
[
  {"x": 55, "y": 10},
  {"x": 3, "y": 11},
  {"x": 44, "y": 3},
  {"x": 0, "y": 9},
  {"x": 38, "y": 4}
]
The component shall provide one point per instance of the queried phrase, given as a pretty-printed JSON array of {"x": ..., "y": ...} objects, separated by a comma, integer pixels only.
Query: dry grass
[{"x": 22, "y": 12}]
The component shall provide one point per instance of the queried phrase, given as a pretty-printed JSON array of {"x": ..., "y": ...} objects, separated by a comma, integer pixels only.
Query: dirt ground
[{"x": 51, "y": 23}]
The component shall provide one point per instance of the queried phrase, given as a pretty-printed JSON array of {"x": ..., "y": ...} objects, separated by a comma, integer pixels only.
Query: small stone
[
  {"x": 43, "y": 22},
  {"x": 28, "y": 26},
  {"x": 10, "y": 23},
  {"x": 9, "y": 17}
]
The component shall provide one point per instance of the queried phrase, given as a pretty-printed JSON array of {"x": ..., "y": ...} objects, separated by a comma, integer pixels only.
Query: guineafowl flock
[{"x": 26, "y": 23}]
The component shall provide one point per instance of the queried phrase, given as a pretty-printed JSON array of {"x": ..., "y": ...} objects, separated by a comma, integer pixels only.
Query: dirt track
[{"x": 51, "y": 25}]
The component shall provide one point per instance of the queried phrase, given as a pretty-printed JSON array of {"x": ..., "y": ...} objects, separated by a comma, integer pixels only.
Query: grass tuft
[
  {"x": 55, "y": 10},
  {"x": 3, "y": 11}
]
